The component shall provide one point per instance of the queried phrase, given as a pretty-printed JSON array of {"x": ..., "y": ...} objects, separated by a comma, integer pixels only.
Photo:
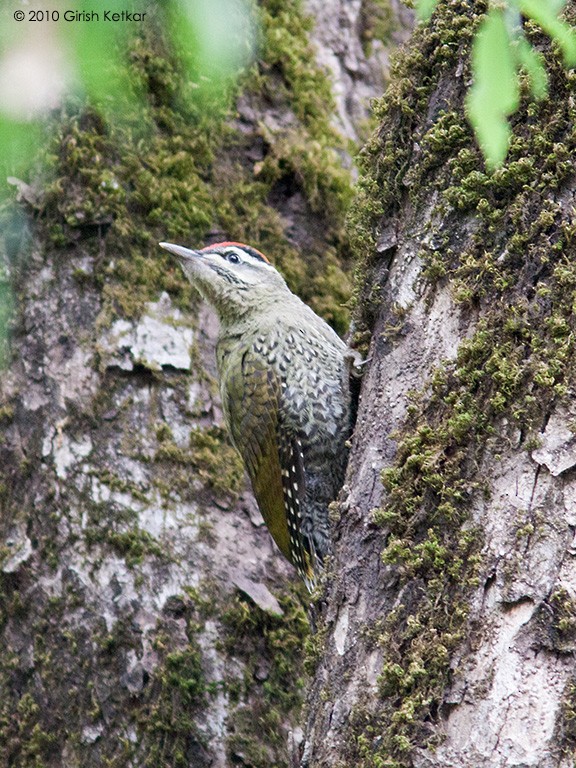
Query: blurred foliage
[
  {"x": 56, "y": 56},
  {"x": 55, "y": 52},
  {"x": 501, "y": 52}
]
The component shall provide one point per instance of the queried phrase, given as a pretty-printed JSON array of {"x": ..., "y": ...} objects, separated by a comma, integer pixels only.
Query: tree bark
[
  {"x": 145, "y": 617},
  {"x": 448, "y": 627}
]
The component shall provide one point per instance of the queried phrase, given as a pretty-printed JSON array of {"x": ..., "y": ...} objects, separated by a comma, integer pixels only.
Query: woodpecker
[{"x": 285, "y": 387}]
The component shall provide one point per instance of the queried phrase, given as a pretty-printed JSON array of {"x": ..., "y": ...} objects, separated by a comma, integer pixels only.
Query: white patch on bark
[
  {"x": 19, "y": 549},
  {"x": 557, "y": 451},
  {"x": 258, "y": 593},
  {"x": 67, "y": 452},
  {"x": 341, "y": 630},
  {"x": 158, "y": 339}
]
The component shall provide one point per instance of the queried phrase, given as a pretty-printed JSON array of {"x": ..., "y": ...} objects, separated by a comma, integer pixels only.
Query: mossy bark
[
  {"x": 447, "y": 635},
  {"x": 145, "y": 617}
]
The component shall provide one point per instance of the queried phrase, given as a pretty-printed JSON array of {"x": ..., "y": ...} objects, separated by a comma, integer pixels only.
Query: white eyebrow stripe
[{"x": 246, "y": 257}]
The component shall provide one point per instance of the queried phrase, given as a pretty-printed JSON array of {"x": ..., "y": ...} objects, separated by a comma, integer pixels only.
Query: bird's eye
[{"x": 232, "y": 257}]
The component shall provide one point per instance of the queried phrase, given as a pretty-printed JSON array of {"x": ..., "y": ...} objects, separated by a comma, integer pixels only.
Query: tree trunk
[
  {"x": 145, "y": 616},
  {"x": 448, "y": 628}
]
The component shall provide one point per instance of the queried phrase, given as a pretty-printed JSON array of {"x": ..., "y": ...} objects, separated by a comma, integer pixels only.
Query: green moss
[
  {"x": 115, "y": 525},
  {"x": 387, "y": 171},
  {"x": 34, "y": 746},
  {"x": 270, "y": 647},
  {"x": 169, "y": 725},
  {"x": 166, "y": 711},
  {"x": 567, "y": 722},
  {"x": 285, "y": 45},
  {"x": 559, "y": 621},
  {"x": 6, "y": 413},
  {"x": 209, "y": 458},
  {"x": 39, "y": 713},
  {"x": 315, "y": 648},
  {"x": 133, "y": 545},
  {"x": 116, "y": 483}
]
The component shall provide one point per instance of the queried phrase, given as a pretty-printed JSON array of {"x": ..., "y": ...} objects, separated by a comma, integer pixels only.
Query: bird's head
[{"x": 233, "y": 277}]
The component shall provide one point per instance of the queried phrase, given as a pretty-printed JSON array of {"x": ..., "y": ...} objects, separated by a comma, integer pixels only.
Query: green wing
[{"x": 273, "y": 456}]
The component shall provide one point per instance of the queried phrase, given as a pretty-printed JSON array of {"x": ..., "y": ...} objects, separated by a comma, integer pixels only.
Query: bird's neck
[{"x": 235, "y": 337}]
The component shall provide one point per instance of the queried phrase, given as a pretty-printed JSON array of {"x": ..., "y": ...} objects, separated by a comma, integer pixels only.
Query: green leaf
[
  {"x": 215, "y": 38},
  {"x": 425, "y": 9},
  {"x": 495, "y": 93},
  {"x": 545, "y": 13},
  {"x": 18, "y": 142},
  {"x": 557, "y": 5},
  {"x": 98, "y": 53},
  {"x": 533, "y": 63}
]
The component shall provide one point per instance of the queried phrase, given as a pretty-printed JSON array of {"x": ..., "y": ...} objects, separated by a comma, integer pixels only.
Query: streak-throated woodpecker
[{"x": 285, "y": 386}]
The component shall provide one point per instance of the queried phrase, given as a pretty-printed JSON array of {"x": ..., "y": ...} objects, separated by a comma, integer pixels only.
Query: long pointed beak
[{"x": 186, "y": 254}]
